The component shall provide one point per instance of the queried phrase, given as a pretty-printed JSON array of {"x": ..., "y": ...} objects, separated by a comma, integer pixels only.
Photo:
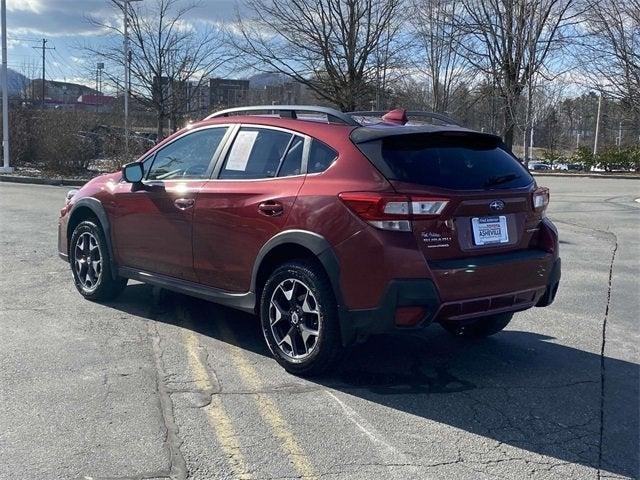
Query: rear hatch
[{"x": 488, "y": 193}]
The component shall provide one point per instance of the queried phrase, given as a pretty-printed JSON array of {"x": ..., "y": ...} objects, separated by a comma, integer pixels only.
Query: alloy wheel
[
  {"x": 88, "y": 262},
  {"x": 294, "y": 317}
]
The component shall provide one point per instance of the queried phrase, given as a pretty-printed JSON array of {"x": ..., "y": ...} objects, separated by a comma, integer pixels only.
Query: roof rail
[
  {"x": 290, "y": 111},
  {"x": 436, "y": 116}
]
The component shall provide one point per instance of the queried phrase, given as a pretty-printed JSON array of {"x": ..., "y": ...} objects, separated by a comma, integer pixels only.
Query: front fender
[{"x": 96, "y": 207}]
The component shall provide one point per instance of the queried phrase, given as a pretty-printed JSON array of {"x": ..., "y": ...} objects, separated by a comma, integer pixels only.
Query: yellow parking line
[
  {"x": 267, "y": 407},
  {"x": 216, "y": 414}
]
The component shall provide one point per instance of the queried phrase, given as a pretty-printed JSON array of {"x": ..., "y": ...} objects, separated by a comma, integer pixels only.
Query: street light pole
[{"x": 6, "y": 168}]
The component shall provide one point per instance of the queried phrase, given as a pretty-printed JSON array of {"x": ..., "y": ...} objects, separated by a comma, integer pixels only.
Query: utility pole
[
  {"x": 126, "y": 78},
  {"x": 97, "y": 87},
  {"x": 127, "y": 73},
  {"x": 6, "y": 168},
  {"x": 595, "y": 140},
  {"x": 44, "y": 63}
]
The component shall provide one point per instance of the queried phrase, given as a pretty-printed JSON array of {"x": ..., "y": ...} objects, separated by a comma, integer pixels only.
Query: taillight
[
  {"x": 390, "y": 211},
  {"x": 540, "y": 199}
]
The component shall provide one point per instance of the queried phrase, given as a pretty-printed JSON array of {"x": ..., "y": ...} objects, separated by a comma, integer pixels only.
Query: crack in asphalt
[
  {"x": 602, "y": 357},
  {"x": 177, "y": 463},
  {"x": 612, "y": 236}
]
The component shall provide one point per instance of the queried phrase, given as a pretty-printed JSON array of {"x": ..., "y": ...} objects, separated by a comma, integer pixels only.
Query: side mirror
[{"x": 133, "y": 172}]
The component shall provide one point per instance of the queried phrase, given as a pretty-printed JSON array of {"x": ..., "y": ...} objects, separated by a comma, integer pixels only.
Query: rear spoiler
[{"x": 368, "y": 134}]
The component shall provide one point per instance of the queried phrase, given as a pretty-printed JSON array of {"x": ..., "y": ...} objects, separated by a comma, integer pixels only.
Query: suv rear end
[{"x": 460, "y": 236}]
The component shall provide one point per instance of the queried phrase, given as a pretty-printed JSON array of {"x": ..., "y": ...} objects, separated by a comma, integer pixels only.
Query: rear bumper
[{"x": 538, "y": 279}]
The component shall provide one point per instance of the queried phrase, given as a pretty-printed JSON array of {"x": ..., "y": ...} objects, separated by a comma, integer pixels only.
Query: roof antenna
[{"x": 397, "y": 116}]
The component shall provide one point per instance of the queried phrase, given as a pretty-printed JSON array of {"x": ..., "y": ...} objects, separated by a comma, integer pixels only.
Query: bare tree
[
  {"x": 447, "y": 71},
  {"x": 511, "y": 41},
  {"x": 611, "y": 49},
  {"x": 333, "y": 47},
  {"x": 170, "y": 59}
]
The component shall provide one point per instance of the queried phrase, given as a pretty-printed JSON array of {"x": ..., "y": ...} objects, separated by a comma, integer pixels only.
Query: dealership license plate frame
[{"x": 488, "y": 225}]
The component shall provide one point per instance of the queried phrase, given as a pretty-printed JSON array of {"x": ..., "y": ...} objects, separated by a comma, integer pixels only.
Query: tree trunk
[
  {"x": 160, "y": 127},
  {"x": 509, "y": 129}
]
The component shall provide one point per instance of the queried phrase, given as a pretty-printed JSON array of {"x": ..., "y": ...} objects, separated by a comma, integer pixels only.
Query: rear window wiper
[{"x": 497, "y": 180}]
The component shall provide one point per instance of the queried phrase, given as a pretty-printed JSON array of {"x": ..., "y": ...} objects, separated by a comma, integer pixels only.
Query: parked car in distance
[
  {"x": 329, "y": 226},
  {"x": 577, "y": 167},
  {"x": 536, "y": 166}
]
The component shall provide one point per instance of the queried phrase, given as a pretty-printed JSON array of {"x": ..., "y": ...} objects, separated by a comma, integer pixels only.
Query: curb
[
  {"x": 585, "y": 175},
  {"x": 58, "y": 182}
]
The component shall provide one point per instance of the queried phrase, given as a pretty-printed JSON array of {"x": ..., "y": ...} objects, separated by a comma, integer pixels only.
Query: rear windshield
[{"x": 469, "y": 162}]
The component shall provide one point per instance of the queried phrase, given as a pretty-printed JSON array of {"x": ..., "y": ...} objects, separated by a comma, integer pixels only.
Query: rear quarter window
[
  {"x": 321, "y": 156},
  {"x": 470, "y": 162}
]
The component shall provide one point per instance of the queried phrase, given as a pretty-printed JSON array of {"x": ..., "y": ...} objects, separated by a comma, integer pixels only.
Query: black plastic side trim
[
  {"x": 96, "y": 207},
  {"x": 318, "y": 245},
  {"x": 487, "y": 260},
  {"x": 415, "y": 292},
  {"x": 242, "y": 301},
  {"x": 321, "y": 248},
  {"x": 552, "y": 286}
]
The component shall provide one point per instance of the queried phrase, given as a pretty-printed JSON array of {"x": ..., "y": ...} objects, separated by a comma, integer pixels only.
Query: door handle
[
  {"x": 184, "y": 203},
  {"x": 271, "y": 208}
]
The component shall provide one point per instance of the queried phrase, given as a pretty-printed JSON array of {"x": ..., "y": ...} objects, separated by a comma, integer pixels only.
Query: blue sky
[{"x": 64, "y": 24}]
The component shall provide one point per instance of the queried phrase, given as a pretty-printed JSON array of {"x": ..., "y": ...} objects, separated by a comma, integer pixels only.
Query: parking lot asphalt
[{"x": 159, "y": 385}]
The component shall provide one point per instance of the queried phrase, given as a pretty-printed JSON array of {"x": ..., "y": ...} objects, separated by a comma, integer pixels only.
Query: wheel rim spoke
[
  {"x": 87, "y": 261},
  {"x": 307, "y": 333},
  {"x": 309, "y": 304},
  {"x": 279, "y": 313}
]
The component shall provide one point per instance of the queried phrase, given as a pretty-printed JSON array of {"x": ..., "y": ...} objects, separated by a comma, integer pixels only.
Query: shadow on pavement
[{"x": 519, "y": 388}]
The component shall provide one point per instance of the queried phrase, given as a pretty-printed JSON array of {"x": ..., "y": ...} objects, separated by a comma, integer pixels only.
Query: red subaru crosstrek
[{"x": 329, "y": 226}]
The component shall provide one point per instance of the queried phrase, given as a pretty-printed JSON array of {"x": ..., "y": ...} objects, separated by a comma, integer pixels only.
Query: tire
[
  {"x": 91, "y": 264},
  {"x": 287, "y": 325},
  {"x": 479, "y": 327}
]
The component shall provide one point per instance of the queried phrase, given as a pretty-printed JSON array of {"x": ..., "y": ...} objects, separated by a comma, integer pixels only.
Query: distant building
[
  {"x": 288, "y": 93},
  {"x": 57, "y": 94},
  {"x": 95, "y": 103},
  {"x": 227, "y": 93},
  {"x": 198, "y": 97}
]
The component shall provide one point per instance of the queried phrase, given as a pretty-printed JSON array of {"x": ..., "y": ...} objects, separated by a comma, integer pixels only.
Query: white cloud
[{"x": 35, "y": 6}]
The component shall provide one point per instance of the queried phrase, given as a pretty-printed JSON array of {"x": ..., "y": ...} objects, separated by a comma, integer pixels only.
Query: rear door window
[
  {"x": 256, "y": 153},
  {"x": 469, "y": 162},
  {"x": 292, "y": 162}
]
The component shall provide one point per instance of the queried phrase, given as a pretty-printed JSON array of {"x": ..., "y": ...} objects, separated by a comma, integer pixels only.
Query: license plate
[{"x": 488, "y": 230}]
